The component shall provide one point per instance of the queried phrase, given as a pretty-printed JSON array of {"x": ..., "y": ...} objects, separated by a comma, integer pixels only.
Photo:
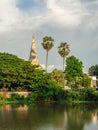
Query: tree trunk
[
  {"x": 63, "y": 63},
  {"x": 46, "y": 60}
]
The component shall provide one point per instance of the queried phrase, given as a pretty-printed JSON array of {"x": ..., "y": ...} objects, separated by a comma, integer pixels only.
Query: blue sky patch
[{"x": 26, "y": 4}]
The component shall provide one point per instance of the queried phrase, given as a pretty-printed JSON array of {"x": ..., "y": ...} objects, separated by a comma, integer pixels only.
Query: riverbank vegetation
[{"x": 57, "y": 95}]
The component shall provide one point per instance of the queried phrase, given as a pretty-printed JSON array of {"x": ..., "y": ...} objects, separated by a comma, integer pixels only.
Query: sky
[{"x": 71, "y": 21}]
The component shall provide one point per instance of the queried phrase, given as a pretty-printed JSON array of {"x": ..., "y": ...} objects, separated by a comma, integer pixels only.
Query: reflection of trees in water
[
  {"x": 79, "y": 114},
  {"x": 47, "y": 115},
  {"x": 66, "y": 117},
  {"x": 95, "y": 117},
  {"x": 13, "y": 118},
  {"x": 31, "y": 118}
]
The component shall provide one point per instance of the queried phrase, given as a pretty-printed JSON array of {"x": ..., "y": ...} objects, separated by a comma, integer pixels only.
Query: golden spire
[
  {"x": 33, "y": 54},
  {"x": 33, "y": 38}
]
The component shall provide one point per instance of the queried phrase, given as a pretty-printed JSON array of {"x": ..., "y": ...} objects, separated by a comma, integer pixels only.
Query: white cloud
[
  {"x": 91, "y": 20},
  {"x": 11, "y": 17},
  {"x": 49, "y": 68},
  {"x": 66, "y": 13},
  {"x": 9, "y": 14},
  {"x": 73, "y": 13}
]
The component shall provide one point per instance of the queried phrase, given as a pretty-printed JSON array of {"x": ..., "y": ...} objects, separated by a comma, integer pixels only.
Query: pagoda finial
[{"x": 33, "y": 38}]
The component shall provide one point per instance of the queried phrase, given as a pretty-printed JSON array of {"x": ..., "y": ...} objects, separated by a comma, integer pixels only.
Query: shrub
[
  {"x": 68, "y": 95},
  {"x": 32, "y": 97},
  {"x": 88, "y": 94},
  {"x": 1, "y": 97},
  {"x": 76, "y": 96}
]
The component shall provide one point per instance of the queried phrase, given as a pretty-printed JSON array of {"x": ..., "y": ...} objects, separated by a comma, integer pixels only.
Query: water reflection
[
  {"x": 49, "y": 117},
  {"x": 80, "y": 116}
]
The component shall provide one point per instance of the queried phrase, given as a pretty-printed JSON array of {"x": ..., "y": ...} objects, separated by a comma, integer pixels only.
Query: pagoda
[{"x": 33, "y": 53}]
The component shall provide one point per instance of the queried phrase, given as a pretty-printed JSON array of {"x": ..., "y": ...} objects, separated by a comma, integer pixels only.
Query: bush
[
  {"x": 68, "y": 95},
  {"x": 89, "y": 94},
  {"x": 32, "y": 97},
  {"x": 1, "y": 97},
  {"x": 16, "y": 97},
  {"x": 76, "y": 96}
]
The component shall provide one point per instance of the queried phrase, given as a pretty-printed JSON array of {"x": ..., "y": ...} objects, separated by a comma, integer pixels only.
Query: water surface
[{"x": 49, "y": 117}]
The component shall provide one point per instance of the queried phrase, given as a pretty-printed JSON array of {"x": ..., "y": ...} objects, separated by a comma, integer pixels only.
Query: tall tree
[
  {"x": 74, "y": 71},
  {"x": 63, "y": 50},
  {"x": 47, "y": 45}
]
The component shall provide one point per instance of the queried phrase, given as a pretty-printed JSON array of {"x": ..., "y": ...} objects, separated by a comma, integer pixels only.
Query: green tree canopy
[
  {"x": 93, "y": 70},
  {"x": 58, "y": 76},
  {"x": 17, "y": 73},
  {"x": 74, "y": 71},
  {"x": 86, "y": 82},
  {"x": 63, "y": 50}
]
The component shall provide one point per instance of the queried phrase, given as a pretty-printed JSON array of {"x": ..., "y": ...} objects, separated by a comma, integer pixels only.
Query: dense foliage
[
  {"x": 93, "y": 70},
  {"x": 86, "y": 81},
  {"x": 74, "y": 71},
  {"x": 55, "y": 94},
  {"x": 17, "y": 74},
  {"x": 59, "y": 77}
]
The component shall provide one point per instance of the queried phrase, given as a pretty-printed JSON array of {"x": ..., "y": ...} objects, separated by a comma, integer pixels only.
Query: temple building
[{"x": 33, "y": 53}]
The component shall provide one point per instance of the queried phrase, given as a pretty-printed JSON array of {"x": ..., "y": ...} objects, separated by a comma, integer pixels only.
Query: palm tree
[
  {"x": 47, "y": 45},
  {"x": 63, "y": 50}
]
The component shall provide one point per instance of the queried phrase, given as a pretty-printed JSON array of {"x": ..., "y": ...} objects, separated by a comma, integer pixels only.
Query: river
[{"x": 49, "y": 117}]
